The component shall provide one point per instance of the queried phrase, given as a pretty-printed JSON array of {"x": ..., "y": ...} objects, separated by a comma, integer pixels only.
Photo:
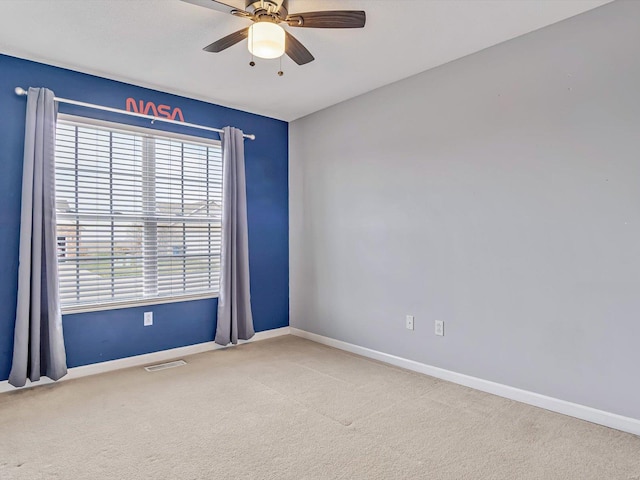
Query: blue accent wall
[{"x": 111, "y": 334}]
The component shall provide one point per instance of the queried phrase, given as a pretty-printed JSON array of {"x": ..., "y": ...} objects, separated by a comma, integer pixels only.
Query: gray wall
[{"x": 499, "y": 193}]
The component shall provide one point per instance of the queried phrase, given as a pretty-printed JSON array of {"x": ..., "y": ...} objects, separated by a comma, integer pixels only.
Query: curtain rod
[{"x": 22, "y": 92}]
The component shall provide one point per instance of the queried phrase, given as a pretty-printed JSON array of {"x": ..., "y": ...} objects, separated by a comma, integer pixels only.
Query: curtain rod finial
[{"x": 20, "y": 91}]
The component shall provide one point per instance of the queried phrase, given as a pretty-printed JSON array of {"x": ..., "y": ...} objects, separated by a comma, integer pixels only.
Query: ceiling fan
[{"x": 266, "y": 38}]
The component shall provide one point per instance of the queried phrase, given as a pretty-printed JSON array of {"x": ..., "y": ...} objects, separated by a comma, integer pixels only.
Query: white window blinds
[{"x": 138, "y": 215}]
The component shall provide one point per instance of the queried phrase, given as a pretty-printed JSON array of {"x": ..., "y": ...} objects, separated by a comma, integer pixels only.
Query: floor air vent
[{"x": 164, "y": 366}]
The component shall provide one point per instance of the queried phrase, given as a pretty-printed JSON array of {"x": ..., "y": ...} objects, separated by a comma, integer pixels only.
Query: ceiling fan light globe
[{"x": 266, "y": 40}]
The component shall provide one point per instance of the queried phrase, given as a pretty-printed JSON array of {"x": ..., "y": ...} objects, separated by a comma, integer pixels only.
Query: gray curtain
[
  {"x": 234, "y": 303},
  {"x": 38, "y": 347}
]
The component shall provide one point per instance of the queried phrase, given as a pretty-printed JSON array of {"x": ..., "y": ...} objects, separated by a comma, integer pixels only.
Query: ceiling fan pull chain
[
  {"x": 280, "y": 72},
  {"x": 252, "y": 63}
]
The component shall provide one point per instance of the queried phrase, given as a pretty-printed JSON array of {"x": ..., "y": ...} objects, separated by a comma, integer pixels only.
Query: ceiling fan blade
[
  {"x": 228, "y": 41},
  {"x": 296, "y": 51},
  {"x": 227, "y": 6},
  {"x": 328, "y": 19}
]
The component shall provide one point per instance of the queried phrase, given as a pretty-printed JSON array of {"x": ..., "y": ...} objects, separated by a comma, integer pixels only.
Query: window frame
[{"x": 143, "y": 131}]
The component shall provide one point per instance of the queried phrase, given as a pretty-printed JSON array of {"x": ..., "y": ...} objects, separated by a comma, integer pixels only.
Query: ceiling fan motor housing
[{"x": 277, "y": 10}]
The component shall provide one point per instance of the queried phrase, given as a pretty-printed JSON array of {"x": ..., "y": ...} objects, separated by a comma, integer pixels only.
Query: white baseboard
[
  {"x": 612, "y": 420},
  {"x": 140, "y": 360}
]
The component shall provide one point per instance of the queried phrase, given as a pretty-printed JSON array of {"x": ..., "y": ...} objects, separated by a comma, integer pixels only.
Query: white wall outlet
[
  {"x": 440, "y": 328},
  {"x": 148, "y": 319},
  {"x": 409, "y": 322}
]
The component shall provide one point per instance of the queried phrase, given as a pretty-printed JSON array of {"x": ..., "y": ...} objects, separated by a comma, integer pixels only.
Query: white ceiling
[{"x": 158, "y": 44}]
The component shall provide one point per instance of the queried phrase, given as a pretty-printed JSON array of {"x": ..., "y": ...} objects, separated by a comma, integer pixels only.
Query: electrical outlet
[
  {"x": 409, "y": 322},
  {"x": 148, "y": 319},
  {"x": 440, "y": 328}
]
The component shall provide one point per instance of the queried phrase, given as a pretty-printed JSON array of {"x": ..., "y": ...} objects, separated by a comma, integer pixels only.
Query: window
[{"x": 138, "y": 215}]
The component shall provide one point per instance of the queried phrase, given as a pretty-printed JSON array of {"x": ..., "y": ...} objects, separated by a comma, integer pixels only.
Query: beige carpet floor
[{"x": 287, "y": 408}]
